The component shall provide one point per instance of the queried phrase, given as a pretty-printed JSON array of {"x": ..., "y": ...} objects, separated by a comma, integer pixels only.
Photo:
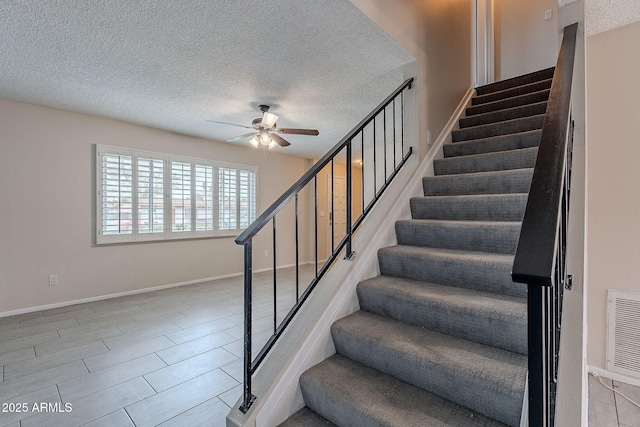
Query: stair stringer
[{"x": 277, "y": 381}]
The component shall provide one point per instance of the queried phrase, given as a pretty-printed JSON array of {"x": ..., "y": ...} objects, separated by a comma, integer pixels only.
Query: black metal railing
[
  {"x": 358, "y": 170},
  {"x": 540, "y": 257}
]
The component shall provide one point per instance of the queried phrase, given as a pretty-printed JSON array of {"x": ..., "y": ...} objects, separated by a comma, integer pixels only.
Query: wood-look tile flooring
[
  {"x": 609, "y": 409},
  {"x": 171, "y": 357}
]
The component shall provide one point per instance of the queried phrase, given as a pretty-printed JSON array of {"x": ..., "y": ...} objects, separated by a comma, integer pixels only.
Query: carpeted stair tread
[
  {"x": 493, "y": 144},
  {"x": 484, "y": 236},
  {"x": 516, "y": 101},
  {"x": 493, "y": 182},
  {"x": 305, "y": 417},
  {"x": 481, "y": 271},
  {"x": 489, "y": 207},
  {"x": 503, "y": 115},
  {"x": 522, "y": 158},
  {"x": 507, "y": 127},
  {"x": 495, "y": 320},
  {"x": 535, "y": 76},
  {"x": 350, "y": 394},
  {"x": 511, "y": 92},
  {"x": 485, "y": 379}
]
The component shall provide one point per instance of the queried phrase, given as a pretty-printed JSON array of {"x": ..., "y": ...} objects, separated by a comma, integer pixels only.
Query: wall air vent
[{"x": 623, "y": 337}]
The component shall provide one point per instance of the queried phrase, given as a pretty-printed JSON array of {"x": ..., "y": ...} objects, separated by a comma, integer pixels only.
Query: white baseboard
[
  {"x": 137, "y": 291},
  {"x": 613, "y": 375}
]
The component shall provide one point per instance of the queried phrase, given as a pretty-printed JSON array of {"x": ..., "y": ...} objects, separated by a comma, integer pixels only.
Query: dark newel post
[
  {"x": 248, "y": 397},
  {"x": 348, "y": 251}
]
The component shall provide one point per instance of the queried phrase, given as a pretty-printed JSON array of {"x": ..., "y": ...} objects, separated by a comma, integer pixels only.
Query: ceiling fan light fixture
[
  {"x": 254, "y": 141},
  {"x": 269, "y": 120},
  {"x": 272, "y": 145},
  {"x": 265, "y": 138}
]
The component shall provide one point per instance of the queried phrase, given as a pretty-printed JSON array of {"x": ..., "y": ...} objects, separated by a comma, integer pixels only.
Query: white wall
[
  {"x": 46, "y": 191},
  {"x": 524, "y": 41},
  {"x": 613, "y": 207},
  {"x": 438, "y": 34}
]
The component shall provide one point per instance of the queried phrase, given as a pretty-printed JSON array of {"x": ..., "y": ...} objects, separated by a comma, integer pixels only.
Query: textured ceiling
[
  {"x": 605, "y": 15},
  {"x": 173, "y": 64}
]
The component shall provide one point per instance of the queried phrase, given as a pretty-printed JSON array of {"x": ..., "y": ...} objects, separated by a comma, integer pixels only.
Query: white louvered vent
[{"x": 623, "y": 339}]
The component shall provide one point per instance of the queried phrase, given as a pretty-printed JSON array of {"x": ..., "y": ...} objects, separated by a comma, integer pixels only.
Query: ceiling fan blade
[
  {"x": 230, "y": 124},
  {"x": 291, "y": 131},
  {"x": 280, "y": 140},
  {"x": 246, "y": 135},
  {"x": 268, "y": 119}
]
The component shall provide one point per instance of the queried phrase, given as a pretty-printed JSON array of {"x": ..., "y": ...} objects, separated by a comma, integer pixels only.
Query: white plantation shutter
[
  {"x": 116, "y": 194},
  {"x": 204, "y": 198},
  {"x": 150, "y": 195},
  {"x": 144, "y": 196},
  {"x": 247, "y": 197},
  {"x": 181, "y": 196},
  {"x": 227, "y": 199}
]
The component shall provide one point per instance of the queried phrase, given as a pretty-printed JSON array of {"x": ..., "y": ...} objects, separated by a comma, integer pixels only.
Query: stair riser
[
  {"x": 505, "y": 160},
  {"x": 487, "y": 208},
  {"x": 495, "y": 144},
  {"x": 516, "y": 81},
  {"x": 487, "y": 237},
  {"x": 516, "y": 181},
  {"x": 426, "y": 374},
  {"x": 497, "y": 129},
  {"x": 516, "y": 101},
  {"x": 508, "y": 333},
  {"x": 500, "y": 116},
  {"x": 464, "y": 272},
  {"x": 510, "y": 93}
]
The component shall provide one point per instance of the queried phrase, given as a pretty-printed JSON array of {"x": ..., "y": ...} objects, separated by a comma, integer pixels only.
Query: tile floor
[
  {"x": 171, "y": 357},
  {"x": 609, "y": 409}
]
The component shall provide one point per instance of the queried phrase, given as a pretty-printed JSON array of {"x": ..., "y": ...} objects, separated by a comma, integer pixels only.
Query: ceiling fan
[{"x": 265, "y": 132}]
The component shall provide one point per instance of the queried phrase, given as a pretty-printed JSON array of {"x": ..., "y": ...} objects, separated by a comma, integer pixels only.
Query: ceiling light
[
  {"x": 265, "y": 138},
  {"x": 254, "y": 141},
  {"x": 272, "y": 145}
]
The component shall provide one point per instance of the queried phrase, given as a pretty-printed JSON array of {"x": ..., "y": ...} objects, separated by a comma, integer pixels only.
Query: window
[{"x": 151, "y": 196}]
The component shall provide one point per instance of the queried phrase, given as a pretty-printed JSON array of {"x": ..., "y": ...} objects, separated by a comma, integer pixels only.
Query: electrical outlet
[
  {"x": 266, "y": 253},
  {"x": 53, "y": 280},
  {"x": 548, "y": 14}
]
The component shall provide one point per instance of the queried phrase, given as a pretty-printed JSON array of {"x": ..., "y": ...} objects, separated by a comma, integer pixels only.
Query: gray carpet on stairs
[
  {"x": 516, "y": 101},
  {"x": 483, "y": 207},
  {"x": 487, "y": 162},
  {"x": 493, "y": 144},
  {"x": 495, "y": 320},
  {"x": 512, "y": 92},
  {"x": 350, "y": 394},
  {"x": 441, "y": 335}
]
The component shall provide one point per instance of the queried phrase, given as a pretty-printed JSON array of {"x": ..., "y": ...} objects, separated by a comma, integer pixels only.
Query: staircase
[{"x": 441, "y": 335}]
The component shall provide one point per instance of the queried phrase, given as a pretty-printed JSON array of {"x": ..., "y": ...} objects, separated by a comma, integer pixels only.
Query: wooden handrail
[{"x": 535, "y": 255}]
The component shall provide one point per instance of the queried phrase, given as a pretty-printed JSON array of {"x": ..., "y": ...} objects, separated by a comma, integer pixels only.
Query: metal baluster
[
  {"x": 536, "y": 355},
  {"x": 402, "y": 127},
  {"x": 362, "y": 169},
  {"x": 375, "y": 168},
  {"x": 248, "y": 272},
  {"x": 384, "y": 141},
  {"x": 315, "y": 215},
  {"x": 349, "y": 252},
  {"x": 395, "y": 148},
  {"x": 297, "y": 255},
  {"x": 333, "y": 213},
  {"x": 275, "y": 280}
]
